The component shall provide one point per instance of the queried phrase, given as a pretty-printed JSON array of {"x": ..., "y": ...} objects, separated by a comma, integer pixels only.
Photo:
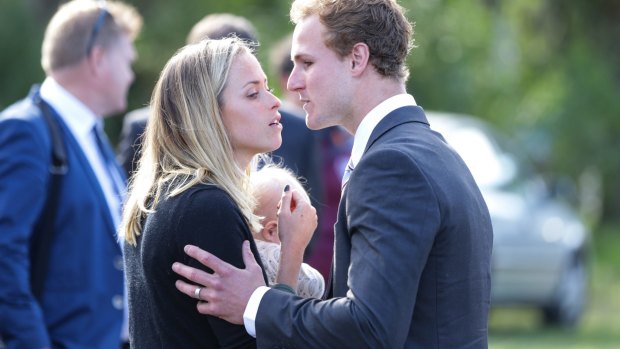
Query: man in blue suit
[
  {"x": 413, "y": 238},
  {"x": 87, "y": 54}
]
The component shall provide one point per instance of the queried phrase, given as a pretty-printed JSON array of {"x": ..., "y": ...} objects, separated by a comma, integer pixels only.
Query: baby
[{"x": 267, "y": 186}]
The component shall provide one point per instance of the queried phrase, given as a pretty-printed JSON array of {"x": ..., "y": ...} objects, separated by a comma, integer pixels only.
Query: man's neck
[
  {"x": 76, "y": 83},
  {"x": 370, "y": 95}
]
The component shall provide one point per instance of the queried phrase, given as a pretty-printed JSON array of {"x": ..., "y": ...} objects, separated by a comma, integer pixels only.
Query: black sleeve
[{"x": 214, "y": 223}]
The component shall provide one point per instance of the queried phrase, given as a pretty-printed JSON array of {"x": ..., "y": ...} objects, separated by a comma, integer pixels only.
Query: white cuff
[{"x": 249, "y": 315}]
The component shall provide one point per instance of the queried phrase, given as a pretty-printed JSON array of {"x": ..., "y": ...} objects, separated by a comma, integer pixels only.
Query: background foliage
[{"x": 544, "y": 72}]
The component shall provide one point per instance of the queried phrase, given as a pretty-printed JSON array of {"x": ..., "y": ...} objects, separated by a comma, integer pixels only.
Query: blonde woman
[{"x": 212, "y": 113}]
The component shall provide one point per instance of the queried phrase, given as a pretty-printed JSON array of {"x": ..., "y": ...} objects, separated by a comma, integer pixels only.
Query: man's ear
[
  {"x": 270, "y": 232},
  {"x": 360, "y": 54},
  {"x": 95, "y": 59}
]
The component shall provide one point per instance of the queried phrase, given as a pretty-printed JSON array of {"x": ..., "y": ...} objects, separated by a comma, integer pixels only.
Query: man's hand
[{"x": 227, "y": 291}]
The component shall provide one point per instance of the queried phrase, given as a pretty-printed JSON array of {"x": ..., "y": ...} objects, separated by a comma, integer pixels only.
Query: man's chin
[
  {"x": 316, "y": 125},
  {"x": 312, "y": 123},
  {"x": 117, "y": 109}
]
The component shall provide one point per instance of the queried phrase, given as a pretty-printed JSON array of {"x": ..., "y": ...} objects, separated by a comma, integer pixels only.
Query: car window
[{"x": 488, "y": 164}]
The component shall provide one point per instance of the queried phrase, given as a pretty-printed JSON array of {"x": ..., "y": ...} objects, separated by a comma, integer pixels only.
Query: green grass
[{"x": 600, "y": 327}]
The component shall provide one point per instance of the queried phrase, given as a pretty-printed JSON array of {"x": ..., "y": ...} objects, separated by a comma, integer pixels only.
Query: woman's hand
[{"x": 297, "y": 221}]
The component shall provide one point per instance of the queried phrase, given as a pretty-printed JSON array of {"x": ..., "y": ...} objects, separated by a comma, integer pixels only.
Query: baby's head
[{"x": 267, "y": 186}]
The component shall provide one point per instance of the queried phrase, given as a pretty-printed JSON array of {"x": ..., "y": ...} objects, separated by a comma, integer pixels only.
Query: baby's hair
[{"x": 264, "y": 179}]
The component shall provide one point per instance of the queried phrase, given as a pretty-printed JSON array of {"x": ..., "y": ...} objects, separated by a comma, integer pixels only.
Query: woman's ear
[
  {"x": 360, "y": 54},
  {"x": 270, "y": 232}
]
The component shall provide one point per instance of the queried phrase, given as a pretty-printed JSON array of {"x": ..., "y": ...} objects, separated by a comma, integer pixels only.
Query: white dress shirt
[
  {"x": 80, "y": 120},
  {"x": 360, "y": 140}
]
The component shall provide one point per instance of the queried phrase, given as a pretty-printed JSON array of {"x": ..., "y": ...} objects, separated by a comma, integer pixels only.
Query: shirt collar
[
  {"x": 78, "y": 117},
  {"x": 372, "y": 119}
]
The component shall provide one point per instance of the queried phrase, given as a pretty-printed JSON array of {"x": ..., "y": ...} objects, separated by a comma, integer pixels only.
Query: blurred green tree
[{"x": 545, "y": 72}]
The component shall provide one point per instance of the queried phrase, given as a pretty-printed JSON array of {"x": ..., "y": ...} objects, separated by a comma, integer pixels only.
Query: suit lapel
[
  {"x": 397, "y": 117},
  {"x": 84, "y": 166}
]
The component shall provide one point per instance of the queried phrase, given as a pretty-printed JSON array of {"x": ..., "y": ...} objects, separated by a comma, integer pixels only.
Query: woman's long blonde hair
[{"x": 186, "y": 142}]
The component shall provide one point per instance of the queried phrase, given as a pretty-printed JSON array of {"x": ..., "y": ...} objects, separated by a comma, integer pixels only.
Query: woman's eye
[{"x": 253, "y": 95}]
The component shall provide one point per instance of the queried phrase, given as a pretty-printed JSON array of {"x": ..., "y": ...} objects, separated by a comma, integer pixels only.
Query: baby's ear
[{"x": 270, "y": 232}]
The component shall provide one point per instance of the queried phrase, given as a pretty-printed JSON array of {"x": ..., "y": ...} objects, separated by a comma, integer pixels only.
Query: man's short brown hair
[
  {"x": 71, "y": 30},
  {"x": 220, "y": 25},
  {"x": 380, "y": 24}
]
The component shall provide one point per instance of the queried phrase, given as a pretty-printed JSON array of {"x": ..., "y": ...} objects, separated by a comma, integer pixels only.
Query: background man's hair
[{"x": 220, "y": 25}]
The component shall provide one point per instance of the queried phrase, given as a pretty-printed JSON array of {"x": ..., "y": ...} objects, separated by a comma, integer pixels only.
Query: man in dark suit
[
  {"x": 78, "y": 300},
  {"x": 413, "y": 237},
  {"x": 214, "y": 26}
]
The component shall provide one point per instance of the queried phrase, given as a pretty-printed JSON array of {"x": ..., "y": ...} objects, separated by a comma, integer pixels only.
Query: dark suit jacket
[
  {"x": 412, "y": 253},
  {"x": 130, "y": 143},
  {"x": 82, "y": 301}
]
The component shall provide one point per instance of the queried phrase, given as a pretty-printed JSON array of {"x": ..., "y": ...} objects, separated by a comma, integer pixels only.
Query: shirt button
[
  {"x": 118, "y": 263},
  {"x": 117, "y": 302}
]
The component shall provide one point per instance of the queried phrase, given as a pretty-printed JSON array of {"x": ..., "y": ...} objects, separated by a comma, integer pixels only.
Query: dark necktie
[
  {"x": 347, "y": 173},
  {"x": 109, "y": 163}
]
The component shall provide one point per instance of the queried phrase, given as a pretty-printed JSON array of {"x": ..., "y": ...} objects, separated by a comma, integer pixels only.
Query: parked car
[{"x": 540, "y": 244}]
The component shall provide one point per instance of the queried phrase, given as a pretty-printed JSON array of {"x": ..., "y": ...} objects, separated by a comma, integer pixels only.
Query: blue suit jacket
[
  {"x": 412, "y": 253},
  {"x": 81, "y": 305}
]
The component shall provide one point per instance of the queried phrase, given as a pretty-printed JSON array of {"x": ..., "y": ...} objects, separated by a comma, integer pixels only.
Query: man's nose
[{"x": 295, "y": 82}]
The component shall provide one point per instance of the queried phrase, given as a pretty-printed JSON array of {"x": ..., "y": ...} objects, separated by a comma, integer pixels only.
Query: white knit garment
[{"x": 310, "y": 283}]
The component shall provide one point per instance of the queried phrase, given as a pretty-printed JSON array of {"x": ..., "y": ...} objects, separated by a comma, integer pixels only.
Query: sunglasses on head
[{"x": 103, "y": 13}]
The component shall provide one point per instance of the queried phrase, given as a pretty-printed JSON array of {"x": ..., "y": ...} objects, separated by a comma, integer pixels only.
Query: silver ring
[{"x": 197, "y": 292}]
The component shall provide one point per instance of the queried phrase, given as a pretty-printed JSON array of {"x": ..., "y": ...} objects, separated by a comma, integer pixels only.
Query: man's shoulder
[
  {"x": 23, "y": 119},
  {"x": 407, "y": 126},
  {"x": 138, "y": 116},
  {"x": 24, "y": 109}
]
